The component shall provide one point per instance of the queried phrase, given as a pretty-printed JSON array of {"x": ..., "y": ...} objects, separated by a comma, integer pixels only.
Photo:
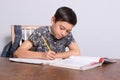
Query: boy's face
[{"x": 61, "y": 29}]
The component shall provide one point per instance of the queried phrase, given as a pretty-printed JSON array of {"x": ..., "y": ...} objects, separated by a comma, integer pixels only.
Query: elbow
[
  {"x": 16, "y": 54},
  {"x": 77, "y": 52}
]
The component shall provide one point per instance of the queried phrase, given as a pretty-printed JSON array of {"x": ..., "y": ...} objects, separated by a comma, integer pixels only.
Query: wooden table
[{"x": 23, "y": 71}]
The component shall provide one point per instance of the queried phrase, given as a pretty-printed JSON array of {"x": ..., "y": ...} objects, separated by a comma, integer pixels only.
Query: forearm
[
  {"x": 22, "y": 53},
  {"x": 67, "y": 54}
]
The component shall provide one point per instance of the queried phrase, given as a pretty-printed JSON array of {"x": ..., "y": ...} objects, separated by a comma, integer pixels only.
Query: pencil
[{"x": 46, "y": 43}]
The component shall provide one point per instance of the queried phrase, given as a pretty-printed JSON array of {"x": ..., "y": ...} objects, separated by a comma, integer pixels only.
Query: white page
[
  {"x": 77, "y": 61},
  {"x": 34, "y": 61}
]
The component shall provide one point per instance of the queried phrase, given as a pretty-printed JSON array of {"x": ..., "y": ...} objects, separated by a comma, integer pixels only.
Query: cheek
[{"x": 57, "y": 30}]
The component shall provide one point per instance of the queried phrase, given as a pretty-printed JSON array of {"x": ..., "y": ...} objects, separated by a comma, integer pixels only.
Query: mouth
[{"x": 59, "y": 36}]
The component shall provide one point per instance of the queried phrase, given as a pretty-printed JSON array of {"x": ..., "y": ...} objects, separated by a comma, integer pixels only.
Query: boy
[{"x": 50, "y": 41}]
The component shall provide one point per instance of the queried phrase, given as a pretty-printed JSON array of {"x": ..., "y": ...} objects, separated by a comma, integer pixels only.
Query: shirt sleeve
[
  {"x": 35, "y": 37},
  {"x": 69, "y": 39}
]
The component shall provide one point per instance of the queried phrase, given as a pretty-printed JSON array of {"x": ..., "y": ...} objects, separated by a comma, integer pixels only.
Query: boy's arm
[
  {"x": 24, "y": 52},
  {"x": 73, "y": 50}
]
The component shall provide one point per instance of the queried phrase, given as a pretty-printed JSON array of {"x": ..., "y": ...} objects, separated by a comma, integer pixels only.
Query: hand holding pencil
[{"x": 50, "y": 54}]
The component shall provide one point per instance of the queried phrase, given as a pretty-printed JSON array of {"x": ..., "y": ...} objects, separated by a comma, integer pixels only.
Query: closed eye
[{"x": 62, "y": 28}]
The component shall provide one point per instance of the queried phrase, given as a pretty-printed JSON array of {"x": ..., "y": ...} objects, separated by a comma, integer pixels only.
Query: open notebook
[{"x": 74, "y": 62}]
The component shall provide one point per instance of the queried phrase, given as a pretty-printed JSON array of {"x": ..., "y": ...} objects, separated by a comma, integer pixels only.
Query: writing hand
[{"x": 50, "y": 55}]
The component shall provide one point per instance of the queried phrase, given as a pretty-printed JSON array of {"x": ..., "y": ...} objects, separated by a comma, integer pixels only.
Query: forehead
[{"x": 66, "y": 25}]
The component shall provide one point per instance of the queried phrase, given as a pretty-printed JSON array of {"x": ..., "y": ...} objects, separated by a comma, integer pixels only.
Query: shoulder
[
  {"x": 69, "y": 35},
  {"x": 70, "y": 38},
  {"x": 41, "y": 30}
]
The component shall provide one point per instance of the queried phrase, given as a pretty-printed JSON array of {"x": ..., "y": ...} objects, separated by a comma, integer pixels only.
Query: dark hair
[{"x": 65, "y": 14}]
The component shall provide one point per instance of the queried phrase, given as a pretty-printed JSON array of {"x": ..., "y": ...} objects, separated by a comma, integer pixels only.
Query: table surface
[{"x": 24, "y": 71}]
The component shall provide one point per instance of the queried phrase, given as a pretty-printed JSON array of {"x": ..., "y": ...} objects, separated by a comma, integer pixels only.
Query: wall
[{"x": 97, "y": 31}]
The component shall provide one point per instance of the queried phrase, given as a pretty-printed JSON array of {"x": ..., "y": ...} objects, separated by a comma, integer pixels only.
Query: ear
[{"x": 53, "y": 20}]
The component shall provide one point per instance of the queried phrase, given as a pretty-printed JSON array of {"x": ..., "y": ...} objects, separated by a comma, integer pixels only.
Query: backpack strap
[
  {"x": 18, "y": 36},
  {"x": 6, "y": 50}
]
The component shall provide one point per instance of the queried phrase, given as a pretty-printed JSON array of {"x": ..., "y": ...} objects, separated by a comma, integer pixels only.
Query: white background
[{"x": 97, "y": 31}]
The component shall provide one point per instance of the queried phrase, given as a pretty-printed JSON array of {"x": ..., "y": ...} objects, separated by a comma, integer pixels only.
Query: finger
[{"x": 51, "y": 56}]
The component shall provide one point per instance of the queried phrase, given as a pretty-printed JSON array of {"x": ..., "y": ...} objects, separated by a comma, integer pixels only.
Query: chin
[{"x": 57, "y": 37}]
